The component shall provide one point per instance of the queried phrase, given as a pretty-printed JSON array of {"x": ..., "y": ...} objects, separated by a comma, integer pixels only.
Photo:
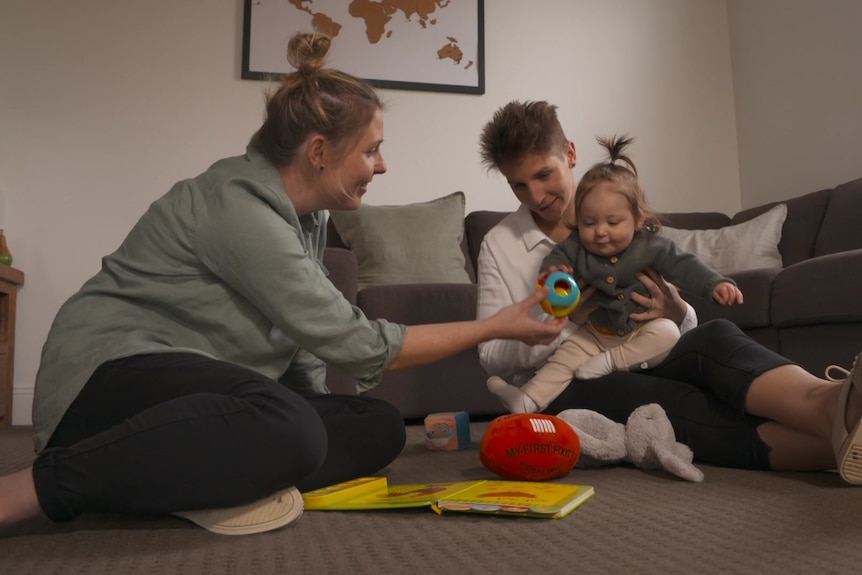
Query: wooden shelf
[
  {"x": 10, "y": 279},
  {"x": 11, "y": 275}
]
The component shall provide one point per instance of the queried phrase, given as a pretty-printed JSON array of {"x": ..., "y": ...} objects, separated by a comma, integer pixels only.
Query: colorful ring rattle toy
[{"x": 564, "y": 296}]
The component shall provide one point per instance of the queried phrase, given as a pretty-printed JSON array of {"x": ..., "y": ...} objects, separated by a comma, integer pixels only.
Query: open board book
[{"x": 499, "y": 497}]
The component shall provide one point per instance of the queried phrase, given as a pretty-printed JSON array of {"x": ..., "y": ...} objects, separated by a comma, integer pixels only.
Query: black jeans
[
  {"x": 180, "y": 431},
  {"x": 701, "y": 385}
]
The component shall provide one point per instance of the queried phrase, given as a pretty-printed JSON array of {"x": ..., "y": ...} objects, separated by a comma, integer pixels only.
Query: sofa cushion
[
  {"x": 840, "y": 228},
  {"x": 456, "y": 383},
  {"x": 804, "y": 215},
  {"x": 476, "y": 225},
  {"x": 695, "y": 220},
  {"x": 413, "y": 243},
  {"x": 749, "y": 245},
  {"x": 440, "y": 302},
  {"x": 755, "y": 312}
]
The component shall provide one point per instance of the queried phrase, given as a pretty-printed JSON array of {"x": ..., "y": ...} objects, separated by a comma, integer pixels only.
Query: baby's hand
[
  {"x": 551, "y": 269},
  {"x": 566, "y": 269},
  {"x": 727, "y": 294}
]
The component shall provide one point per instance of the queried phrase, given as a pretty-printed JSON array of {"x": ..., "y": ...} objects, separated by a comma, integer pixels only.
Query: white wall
[
  {"x": 798, "y": 93},
  {"x": 106, "y": 103}
]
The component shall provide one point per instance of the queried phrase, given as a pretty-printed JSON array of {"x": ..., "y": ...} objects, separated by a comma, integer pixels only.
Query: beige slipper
[
  {"x": 265, "y": 514},
  {"x": 848, "y": 446}
]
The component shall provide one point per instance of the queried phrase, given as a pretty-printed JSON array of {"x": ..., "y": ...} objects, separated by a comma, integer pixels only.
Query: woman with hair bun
[{"x": 187, "y": 376}]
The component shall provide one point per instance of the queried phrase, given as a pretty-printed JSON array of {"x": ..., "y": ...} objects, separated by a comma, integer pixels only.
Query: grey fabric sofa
[{"x": 809, "y": 310}]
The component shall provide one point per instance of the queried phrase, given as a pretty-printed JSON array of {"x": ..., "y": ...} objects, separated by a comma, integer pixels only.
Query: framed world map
[{"x": 432, "y": 45}]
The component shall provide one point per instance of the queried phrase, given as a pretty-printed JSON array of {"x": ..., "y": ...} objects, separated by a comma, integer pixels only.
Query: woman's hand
[
  {"x": 516, "y": 322},
  {"x": 664, "y": 300}
]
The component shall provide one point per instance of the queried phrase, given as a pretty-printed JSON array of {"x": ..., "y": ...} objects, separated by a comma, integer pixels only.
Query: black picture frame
[{"x": 405, "y": 63}]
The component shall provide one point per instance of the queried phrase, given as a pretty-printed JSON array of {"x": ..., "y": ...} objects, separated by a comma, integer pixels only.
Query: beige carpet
[{"x": 638, "y": 522}]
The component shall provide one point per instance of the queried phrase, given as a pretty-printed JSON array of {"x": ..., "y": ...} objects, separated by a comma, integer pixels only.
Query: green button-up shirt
[{"x": 222, "y": 266}]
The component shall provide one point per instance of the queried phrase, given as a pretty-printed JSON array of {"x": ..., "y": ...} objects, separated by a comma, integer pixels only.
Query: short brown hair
[
  {"x": 518, "y": 129},
  {"x": 314, "y": 100}
]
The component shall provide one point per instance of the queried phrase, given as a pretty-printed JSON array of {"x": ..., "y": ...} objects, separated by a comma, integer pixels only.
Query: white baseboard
[{"x": 22, "y": 406}]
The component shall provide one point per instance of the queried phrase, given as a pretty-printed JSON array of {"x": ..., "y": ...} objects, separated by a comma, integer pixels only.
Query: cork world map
[{"x": 410, "y": 44}]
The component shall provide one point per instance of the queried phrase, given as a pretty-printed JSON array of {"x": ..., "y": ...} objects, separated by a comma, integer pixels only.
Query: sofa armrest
[
  {"x": 756, "y": 286},
  {"x": 343, "y": 271},
  {"x": 825, "y": 289}
]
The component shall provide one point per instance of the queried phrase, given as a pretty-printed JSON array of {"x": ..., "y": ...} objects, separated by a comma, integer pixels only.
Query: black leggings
[
  {"x": 701, "y": 385},
  {"x": 180, "y": 431}
]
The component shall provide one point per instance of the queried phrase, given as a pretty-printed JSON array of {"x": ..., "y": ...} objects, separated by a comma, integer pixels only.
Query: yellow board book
[{"x": 498, "y": 497}]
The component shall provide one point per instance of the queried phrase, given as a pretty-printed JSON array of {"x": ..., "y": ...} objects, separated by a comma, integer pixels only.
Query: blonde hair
[
  {"x": 314, "y": 100},
  {"x": 624, "y": 175}
]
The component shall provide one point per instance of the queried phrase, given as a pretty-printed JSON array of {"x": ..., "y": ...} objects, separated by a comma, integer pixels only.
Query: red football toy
[{"x": 530, "y": 447}]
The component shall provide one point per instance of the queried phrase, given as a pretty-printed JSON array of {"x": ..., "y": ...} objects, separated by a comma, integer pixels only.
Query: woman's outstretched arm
[{"x": 424, "y": 344}]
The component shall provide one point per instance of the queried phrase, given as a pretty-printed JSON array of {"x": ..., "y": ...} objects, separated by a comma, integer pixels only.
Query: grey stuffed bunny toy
[{"x": 646, "y": 440}]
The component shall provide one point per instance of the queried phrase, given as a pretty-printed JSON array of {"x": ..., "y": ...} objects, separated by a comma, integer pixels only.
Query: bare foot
[{"x": 18, "y": 500}]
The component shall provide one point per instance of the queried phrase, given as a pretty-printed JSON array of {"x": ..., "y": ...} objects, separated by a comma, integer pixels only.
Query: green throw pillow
[{"x": 414, "y": 243}]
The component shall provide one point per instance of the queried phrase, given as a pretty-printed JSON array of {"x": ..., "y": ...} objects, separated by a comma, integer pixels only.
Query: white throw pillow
[{"x": 746, "y": 246}]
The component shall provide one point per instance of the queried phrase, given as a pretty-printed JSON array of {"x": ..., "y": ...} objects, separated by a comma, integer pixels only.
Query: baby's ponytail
[{"x": 620, "y": 170}]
